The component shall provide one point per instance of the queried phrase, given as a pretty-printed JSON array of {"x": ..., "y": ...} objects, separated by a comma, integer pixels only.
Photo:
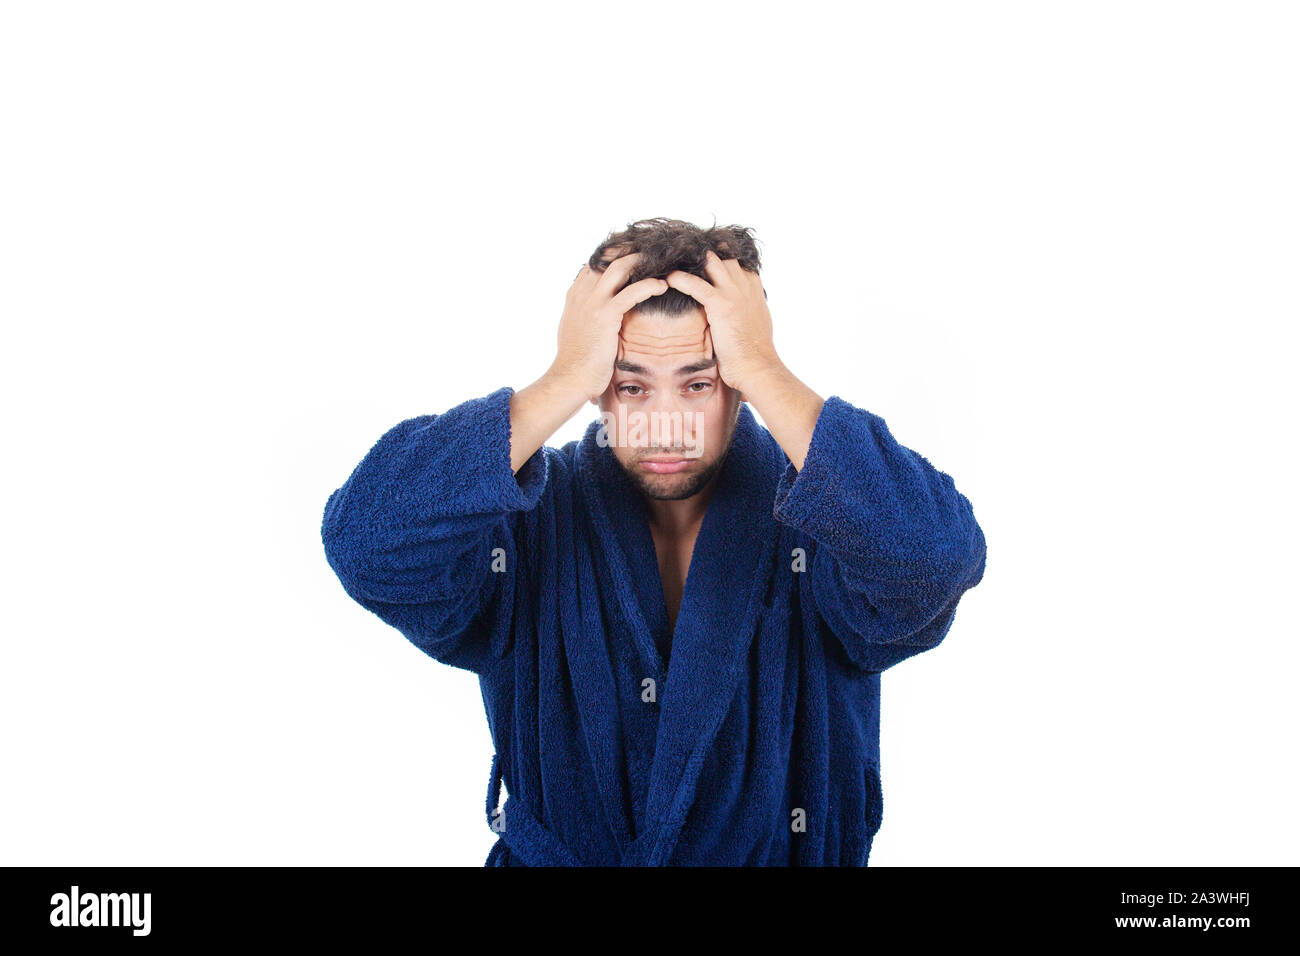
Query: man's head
[{"x": 670, "y": 416}]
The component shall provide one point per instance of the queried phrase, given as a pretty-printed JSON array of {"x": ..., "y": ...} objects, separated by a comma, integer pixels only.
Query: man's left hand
[{"x": 739, "y": 329}]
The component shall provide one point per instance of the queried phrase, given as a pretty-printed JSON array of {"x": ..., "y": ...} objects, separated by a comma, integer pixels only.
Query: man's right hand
[
  {"x": 584, "y": 362},
  {"x": 593, "y": 317}
]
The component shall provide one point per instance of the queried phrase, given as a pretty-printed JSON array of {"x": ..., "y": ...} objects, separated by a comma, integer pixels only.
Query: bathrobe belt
[{"x": 533, "y": 843}]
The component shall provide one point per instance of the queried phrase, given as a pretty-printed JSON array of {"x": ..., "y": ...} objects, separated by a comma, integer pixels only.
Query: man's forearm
[
  {"x": 789, "y": 407},
  {"x": 537, "y": 411}
]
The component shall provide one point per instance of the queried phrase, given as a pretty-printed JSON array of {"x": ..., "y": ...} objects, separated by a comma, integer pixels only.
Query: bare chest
[{"x": 674, "y": 556}]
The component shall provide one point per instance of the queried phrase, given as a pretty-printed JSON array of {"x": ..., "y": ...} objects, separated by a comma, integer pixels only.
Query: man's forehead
[
  {"x": 660, "y": 325},
  {"x": 660, "y": 342}
]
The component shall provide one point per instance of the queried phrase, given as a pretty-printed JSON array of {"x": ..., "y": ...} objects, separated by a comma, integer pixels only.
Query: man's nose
[{"x": 667, "y": 423}]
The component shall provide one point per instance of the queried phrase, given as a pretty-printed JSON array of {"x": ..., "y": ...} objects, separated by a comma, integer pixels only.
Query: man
[{"x": 678, "y": 622}]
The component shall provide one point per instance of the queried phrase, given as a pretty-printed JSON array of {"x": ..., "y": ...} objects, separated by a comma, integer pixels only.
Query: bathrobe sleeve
[
  {"x": 414, "y": 532},
  {"x": 894, "y": 543}
]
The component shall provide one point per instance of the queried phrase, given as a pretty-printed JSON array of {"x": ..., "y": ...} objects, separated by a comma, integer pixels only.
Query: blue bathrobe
[{"x": 750, "y": 734}]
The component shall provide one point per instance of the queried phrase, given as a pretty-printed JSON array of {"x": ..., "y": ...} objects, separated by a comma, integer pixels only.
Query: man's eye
[
  {"x": 702, "y": 386},
  {"x": 624, "y": 388}
]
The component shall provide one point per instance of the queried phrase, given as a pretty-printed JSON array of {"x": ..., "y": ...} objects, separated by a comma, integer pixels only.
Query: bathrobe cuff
[
  {"x": 412, "y": 533},
  {"x": 425, "y": 491},
  {"x": 465, "y": 454},
  {"x": 475, "y": 436},
  {"x": 875, "y": 502},
  {"x": 513, "y": 491},
  {"x": 799, "y": 493}
]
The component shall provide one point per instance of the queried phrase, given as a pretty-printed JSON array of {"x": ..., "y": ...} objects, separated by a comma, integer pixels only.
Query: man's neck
[{"x": 682, "y": 515}]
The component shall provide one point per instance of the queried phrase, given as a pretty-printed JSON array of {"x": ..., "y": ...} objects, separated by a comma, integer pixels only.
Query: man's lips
[{"x": 666, "y": 464}]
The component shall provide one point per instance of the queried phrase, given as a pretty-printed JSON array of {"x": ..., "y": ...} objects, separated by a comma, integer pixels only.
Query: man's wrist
[
  {"x": 789, "y": 408},
  {"x": 564, "y": 390},
  {"x": 765, "y": 377}
]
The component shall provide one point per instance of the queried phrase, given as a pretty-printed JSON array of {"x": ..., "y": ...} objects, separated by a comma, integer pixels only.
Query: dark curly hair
[{"x": 669, "y": 244}]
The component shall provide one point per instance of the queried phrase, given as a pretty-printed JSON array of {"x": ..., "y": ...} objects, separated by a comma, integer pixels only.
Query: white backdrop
[{"x": 1053, "y": 245}]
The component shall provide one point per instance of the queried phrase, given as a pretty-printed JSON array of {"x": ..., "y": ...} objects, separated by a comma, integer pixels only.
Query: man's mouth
[{"x": 666, "y": 464}]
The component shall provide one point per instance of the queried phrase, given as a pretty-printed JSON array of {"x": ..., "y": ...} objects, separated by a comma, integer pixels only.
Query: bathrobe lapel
[{"x": 731, "y": 567}]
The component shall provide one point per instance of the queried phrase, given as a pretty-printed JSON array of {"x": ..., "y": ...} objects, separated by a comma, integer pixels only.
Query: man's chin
[{"x": 672, "y": 487}]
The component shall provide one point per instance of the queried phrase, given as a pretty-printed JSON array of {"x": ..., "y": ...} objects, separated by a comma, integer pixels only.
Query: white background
[{"x": 1054, "y": 245}]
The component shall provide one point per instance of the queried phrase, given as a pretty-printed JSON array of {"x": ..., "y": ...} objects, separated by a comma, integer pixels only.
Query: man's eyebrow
[
  {"x": 633, "y": 369},
  {"x": 699, "y": 366}
]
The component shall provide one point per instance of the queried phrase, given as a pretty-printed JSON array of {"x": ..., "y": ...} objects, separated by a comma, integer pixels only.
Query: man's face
[{"x": 675, "y": 417}]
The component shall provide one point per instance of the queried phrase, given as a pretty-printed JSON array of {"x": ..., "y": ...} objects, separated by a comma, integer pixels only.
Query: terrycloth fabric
[{"x": 760, "y": 744}]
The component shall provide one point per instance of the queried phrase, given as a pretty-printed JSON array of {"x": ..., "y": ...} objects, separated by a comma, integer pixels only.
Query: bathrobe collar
[{"x": 730, "y": 569}]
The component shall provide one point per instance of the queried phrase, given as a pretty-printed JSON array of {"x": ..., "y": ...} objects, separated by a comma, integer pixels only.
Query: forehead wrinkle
[
  {"x": 679, "y": 350},
  {"x": 691, "y": 368},
  {"x": 634, "y": 336}
]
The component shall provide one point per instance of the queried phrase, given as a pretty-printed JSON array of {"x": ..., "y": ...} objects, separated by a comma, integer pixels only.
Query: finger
[
  {"x": 741, "y": 274},
  {"x": 637, "y": 292},
  {"x": 621, "y": 350},
  {"x": 708, "y": 341},
  {"x": 617, "y": 272},
  {"x": 698, "y": 289},
  {"x": 587, "y": 277},
  {"x": 717, "y": 269},
  {"x": 613, "y": 252},
  {"x": 583, "y": 281}
]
